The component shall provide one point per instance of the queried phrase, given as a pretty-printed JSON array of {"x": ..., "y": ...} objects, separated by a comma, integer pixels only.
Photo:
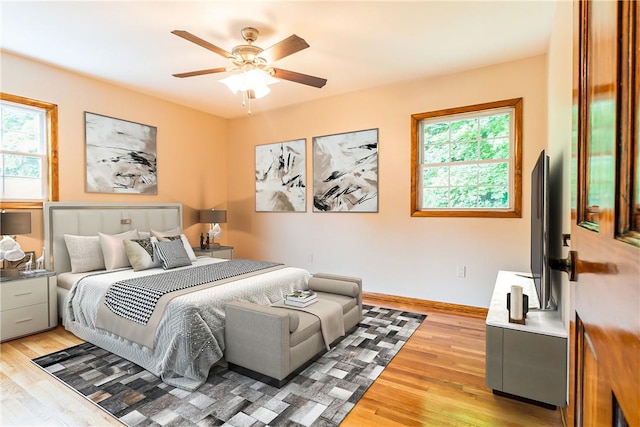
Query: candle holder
[{"x": 525, "y": 309}]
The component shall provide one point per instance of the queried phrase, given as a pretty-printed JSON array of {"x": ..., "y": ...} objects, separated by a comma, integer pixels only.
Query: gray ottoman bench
[{"x": 273, "y": 343}]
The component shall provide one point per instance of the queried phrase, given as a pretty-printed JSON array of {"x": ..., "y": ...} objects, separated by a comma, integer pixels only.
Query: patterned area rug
[{"x": 321, "y": 395}]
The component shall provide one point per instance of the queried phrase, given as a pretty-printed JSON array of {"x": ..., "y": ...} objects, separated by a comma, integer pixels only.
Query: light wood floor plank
[{"x": 437, "y": 379}]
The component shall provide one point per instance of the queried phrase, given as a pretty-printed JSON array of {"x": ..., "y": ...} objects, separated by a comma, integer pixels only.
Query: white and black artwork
[
  {"x": 280, "y": 177},
  {"x": 121, "y": 156},
  {"x": 345, "y": 172}
]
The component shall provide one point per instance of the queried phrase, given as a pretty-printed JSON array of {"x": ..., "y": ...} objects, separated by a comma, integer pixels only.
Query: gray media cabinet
[{"x": 527, "y": 361}]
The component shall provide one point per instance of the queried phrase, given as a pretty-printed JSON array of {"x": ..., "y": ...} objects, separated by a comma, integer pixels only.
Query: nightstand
[
  {"x": 28, "y": 304},
  {"x": 225, "y": 252}
]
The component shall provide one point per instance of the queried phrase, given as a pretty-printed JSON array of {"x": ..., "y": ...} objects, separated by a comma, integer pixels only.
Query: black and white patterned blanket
[{"x": 136, "y": 299}]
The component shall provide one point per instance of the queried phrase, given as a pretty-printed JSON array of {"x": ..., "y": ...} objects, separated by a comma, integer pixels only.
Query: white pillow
[
  {"x": 113, "y": 250},
  {"x": 140, "y": 253},
  {"x": 173, "y": 233},
  {"x": 85, "y": 253},
  {"x": 144, "y": 234}
]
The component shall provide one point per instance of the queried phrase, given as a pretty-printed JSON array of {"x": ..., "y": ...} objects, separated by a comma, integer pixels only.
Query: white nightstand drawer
[
  {"x": 225, "y": 252},
  {"x": 23, "y": 321},
  {"x": 21, "y": 293}
]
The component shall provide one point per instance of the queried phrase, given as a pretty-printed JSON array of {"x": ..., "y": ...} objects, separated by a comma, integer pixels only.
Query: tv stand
[{"x": 530, "y": 360}]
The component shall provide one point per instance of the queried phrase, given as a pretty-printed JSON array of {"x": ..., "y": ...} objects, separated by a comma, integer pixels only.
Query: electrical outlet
[{"x": 461, "y": 270}]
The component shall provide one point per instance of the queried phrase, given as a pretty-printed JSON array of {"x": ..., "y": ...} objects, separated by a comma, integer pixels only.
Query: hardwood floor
[
  {"x": 437, "y": 379},
  {"x": 30, "y": 397}
]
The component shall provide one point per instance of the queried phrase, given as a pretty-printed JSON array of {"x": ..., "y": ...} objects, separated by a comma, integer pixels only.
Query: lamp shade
[
  {"x": 213, "y": 216},
  {"x": 253, "y": 80},
  {"x": 12, "y": 223}
]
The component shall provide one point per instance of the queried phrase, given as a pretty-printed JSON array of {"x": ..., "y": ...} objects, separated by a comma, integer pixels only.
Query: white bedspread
[{"x": 190, "y": 336}]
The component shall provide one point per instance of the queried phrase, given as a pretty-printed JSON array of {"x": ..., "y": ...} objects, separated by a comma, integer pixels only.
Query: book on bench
[
  {"x": 298, "y": 303},
  {"x": 301, "y": 296}
]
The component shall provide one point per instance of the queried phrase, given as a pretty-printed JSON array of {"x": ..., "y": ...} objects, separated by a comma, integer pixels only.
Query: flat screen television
[{"x": 540, "y": 270}]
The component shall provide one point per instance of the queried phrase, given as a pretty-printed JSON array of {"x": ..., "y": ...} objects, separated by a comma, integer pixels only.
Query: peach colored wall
[
  {"x": 393, "y": 252},
  {"x": 559, "y": 66},
  {"x": 190, "y": 143}
]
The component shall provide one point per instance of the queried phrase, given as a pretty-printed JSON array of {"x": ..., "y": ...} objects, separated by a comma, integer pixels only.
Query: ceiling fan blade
[
  {"x": 203, "y": 43},
  {"x": 201, "y": 72},
  {"x": 286, "y": 47},
  {"x": 305, "y": 79}
]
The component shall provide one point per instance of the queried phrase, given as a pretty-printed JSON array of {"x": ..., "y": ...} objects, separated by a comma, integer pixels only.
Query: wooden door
[{"x": 605, "y": 326}]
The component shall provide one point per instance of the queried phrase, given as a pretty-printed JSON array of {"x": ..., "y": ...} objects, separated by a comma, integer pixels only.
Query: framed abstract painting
[
  {"x": 345, "y": 172},
  {"x": 281, "y": 183},
  {"x": 120, "y": 156}
]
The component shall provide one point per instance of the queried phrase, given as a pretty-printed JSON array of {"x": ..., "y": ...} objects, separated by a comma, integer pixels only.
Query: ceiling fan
[{"x": 248, "y": 57}]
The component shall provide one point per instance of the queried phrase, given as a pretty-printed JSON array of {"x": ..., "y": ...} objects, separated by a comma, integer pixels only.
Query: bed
[{"x": 188, "y": 338}]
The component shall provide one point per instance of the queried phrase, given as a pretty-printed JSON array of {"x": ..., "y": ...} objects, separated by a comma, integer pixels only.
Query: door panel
[
  {"x": 596, "y": 393},
  {"x": 599, "y": 143},
  {"x": 605, "y": 364}
]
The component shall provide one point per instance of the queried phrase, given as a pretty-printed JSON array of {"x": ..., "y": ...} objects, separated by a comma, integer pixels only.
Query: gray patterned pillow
[
  {"x": 174, "y": 234},
  {"x": 172, "y": 254}
]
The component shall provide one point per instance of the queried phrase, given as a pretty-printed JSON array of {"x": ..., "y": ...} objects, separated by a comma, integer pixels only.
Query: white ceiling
[{"x": 354, "y": 44}]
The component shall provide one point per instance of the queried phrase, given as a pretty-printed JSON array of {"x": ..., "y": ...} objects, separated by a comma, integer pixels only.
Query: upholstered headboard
[{"x": 87, "y": 219}]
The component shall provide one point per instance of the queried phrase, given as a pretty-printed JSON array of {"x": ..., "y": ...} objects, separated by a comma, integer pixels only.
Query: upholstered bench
[{"x": 274, "y": 343}]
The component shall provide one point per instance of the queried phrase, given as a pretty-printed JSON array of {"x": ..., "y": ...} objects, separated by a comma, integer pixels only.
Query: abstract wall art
[
  {"x": 120, "y": 156},
  {"x": 281, "y": 177},
  {"x": 345, "y": 172}
]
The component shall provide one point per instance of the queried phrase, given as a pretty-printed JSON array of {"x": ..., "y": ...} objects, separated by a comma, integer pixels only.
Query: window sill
[
  {"x": 21, "y": 205},
  {"x": 468, "y": 214}
]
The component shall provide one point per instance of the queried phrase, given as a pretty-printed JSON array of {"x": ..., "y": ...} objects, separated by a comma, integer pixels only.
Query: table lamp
[
  {"x": 12, "y": 224},
  {"x": 213, "y": 217}
]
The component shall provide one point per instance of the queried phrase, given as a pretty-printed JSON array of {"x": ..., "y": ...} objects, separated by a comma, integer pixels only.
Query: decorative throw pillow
[
  {"x": 113, "y": 250},
  {"x": 140, "y": 253},
  {"x": 170, "y": 239},
  {"x": 176, "y": 232},
  {"x": 173, "y": 232},
  {"x": 172, "y": 254},
  {"x": 85, "y": 253}
]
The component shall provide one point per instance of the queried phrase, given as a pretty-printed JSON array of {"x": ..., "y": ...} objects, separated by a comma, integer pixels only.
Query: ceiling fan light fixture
[
  {"x": 258, "y": 92},
  {"x": 253, "y": 80},
  {"x": 252, "y": 64},
  {"x": 233, "y": 82}
]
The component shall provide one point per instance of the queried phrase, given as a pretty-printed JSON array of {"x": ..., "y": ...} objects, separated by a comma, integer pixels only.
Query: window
[
  {"x": 28, "y": 152},
  {"x": 467, "y": 161}
]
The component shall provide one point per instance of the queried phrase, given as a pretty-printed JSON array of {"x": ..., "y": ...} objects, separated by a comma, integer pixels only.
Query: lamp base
[{"x": 9, "y": 272}]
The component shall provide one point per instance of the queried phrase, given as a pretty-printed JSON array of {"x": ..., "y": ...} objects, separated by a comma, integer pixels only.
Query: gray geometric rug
[{"x": 321, "y": 395}]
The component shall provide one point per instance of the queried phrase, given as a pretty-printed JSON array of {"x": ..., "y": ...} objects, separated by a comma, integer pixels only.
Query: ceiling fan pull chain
[{"x": 246, "y": 101}]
